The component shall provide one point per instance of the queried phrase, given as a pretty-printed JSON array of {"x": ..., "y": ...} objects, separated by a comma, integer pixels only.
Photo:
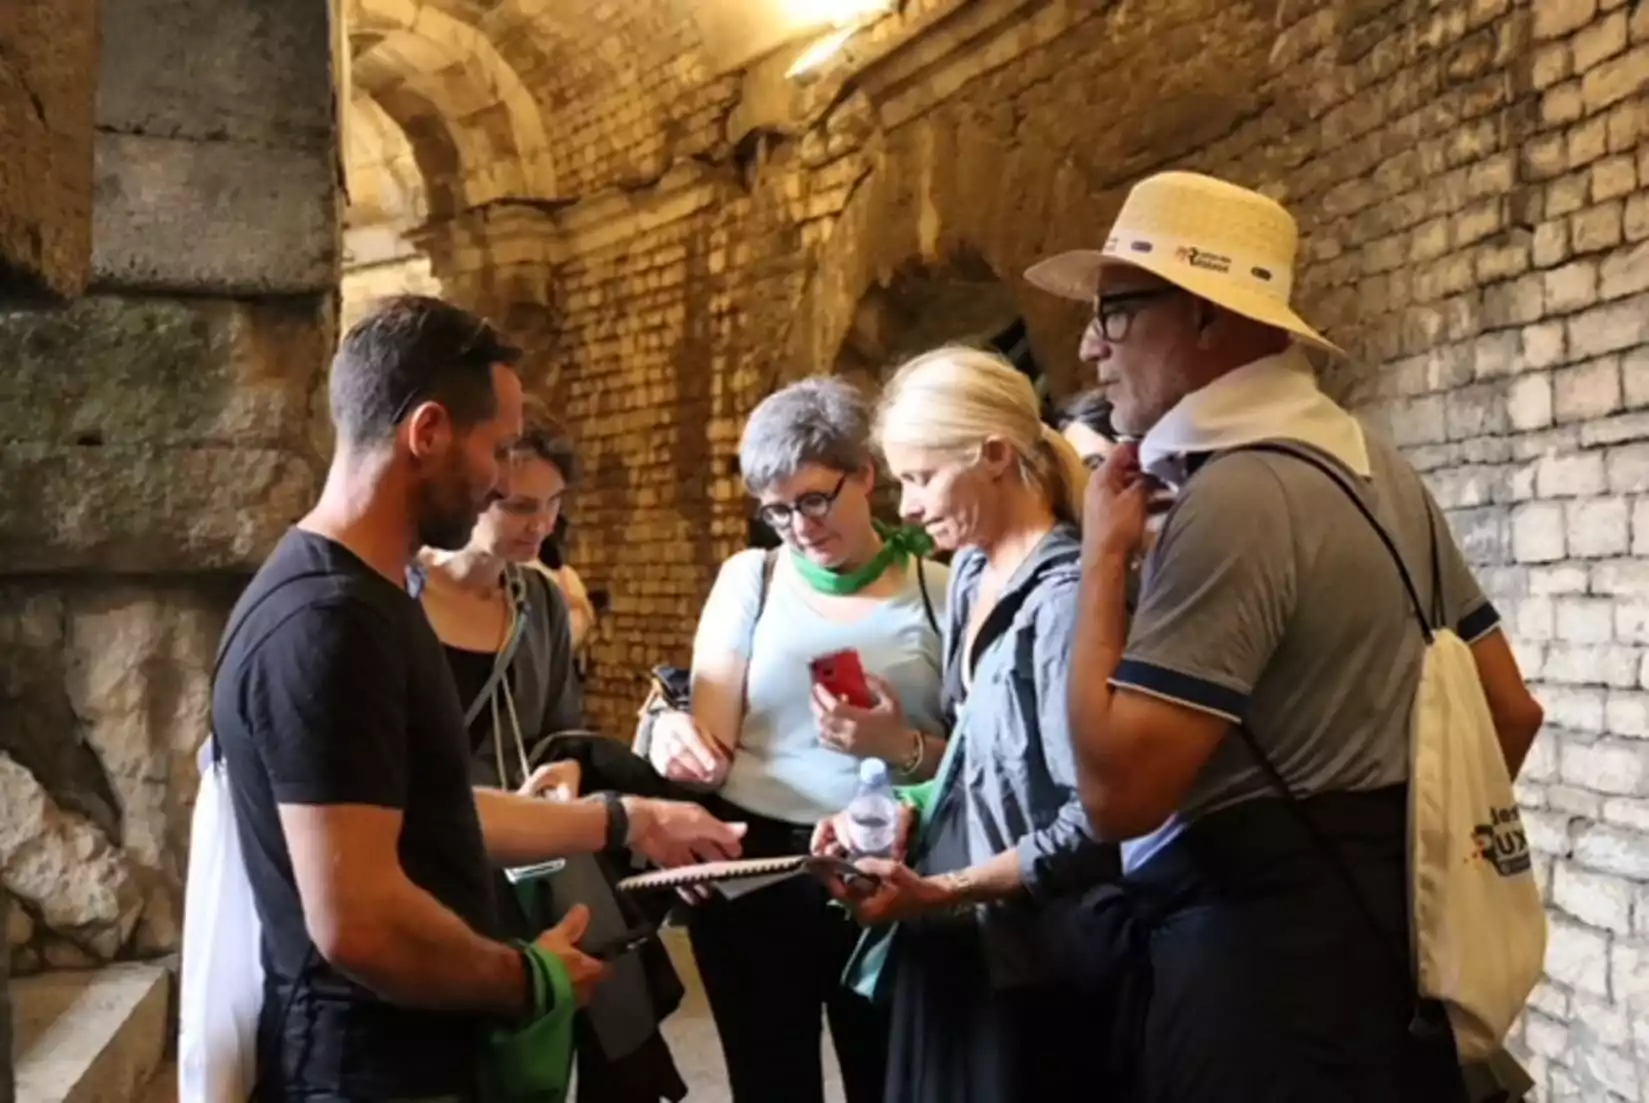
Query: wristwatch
[{"x": 618, "y": 821}]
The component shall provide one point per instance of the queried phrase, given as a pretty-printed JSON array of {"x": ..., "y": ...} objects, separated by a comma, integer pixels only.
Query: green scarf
[{"x": 898, "y": 544}]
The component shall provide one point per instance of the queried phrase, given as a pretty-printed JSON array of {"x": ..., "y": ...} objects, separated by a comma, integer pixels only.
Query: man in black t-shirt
[{"x": 334, "y": 708}]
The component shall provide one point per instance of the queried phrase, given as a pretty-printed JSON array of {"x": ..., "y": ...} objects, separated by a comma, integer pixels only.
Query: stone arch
[
  {"x": 623, "y": 85},
  {"x": 944, "y": 202},
  {"x": 441, "y": 131},
  {"x": 446, "y": 70},
  {"x": 388, "y": 172},
  {"x": 383, "y": 168},
  {"x": 433, "y": 148},
  {"x": 922, "y": 306}
]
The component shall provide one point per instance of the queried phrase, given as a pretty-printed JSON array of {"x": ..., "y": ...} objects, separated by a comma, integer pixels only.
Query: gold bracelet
[
  {"x": 960, "y": 886},
  {"x": 914, "y": 763}
]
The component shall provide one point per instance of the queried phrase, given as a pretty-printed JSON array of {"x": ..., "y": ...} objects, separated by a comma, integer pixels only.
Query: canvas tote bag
[
  {"x": 220, "y": 992},
  {"x": 1476, "y": 920}
]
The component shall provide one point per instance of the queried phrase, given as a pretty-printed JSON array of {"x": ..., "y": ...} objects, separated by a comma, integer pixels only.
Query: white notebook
[{"x": 736, "y": 878}]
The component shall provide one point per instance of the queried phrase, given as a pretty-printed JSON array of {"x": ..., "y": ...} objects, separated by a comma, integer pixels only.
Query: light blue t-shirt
[{"x": 781, "y": 769}]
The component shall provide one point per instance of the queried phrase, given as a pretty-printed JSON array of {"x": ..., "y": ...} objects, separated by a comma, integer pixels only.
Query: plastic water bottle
[{"x": 873, "y": 814}]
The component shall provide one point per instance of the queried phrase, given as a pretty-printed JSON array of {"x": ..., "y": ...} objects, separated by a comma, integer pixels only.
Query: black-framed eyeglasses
[
  {"x": 1114, "y": 314},
  {"x": 814, "y": 506}
]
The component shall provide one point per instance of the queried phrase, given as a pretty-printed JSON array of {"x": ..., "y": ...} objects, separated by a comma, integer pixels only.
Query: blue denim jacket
[{"x": 1010, "y": 753}]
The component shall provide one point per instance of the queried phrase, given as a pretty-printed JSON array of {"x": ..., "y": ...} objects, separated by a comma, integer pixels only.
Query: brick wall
[{"x": 1471, "y": 180}]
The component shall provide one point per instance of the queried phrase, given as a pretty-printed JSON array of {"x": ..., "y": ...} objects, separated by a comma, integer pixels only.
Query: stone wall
[
  {"x": 1472, "y": 182},
  {"x": 156, "y": 435},
  {"x": 46, "y": 114},
  {"x": 46, "y": 130}
]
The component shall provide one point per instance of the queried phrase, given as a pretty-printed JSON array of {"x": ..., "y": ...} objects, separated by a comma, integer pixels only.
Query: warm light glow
[
  {"x": 835, "y": 13},
  {"x": 821, "y": 51}
]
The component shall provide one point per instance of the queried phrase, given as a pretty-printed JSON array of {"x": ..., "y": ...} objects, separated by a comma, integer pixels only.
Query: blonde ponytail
[
  {"x": 954, "y": 398},
  {"x": 1067, "y": 475}
]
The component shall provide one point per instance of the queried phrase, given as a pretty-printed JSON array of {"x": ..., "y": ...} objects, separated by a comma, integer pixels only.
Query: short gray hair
[{"x": 824, "y": 420}]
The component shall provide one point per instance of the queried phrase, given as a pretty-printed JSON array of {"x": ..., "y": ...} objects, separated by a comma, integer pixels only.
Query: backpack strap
[
  {"x": 1274, "y": 777},
  {"x": 770, "y": 559},
  {"x": 997, "y": 621},
  {"x": 311, "y": 956},
  {"x": 927, "y": 602},
  {"x": 1338, "y": 477},
  {"x": 232, "y": 632}
]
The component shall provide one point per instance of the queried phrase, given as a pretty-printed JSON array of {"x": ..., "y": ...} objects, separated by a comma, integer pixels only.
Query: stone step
[
  {"x": 92, "y": 1036},
  {"x": 163, "y": 1088}
]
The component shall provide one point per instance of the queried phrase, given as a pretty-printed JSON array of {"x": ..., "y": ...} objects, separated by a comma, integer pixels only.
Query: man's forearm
[
  {"x": 1100, "y": 636},
  {"x": 521, "y": 830},
  {"x": 414, "y": 952}
]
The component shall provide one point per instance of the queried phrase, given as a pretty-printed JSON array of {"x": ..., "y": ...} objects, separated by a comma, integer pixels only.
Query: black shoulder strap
[
  {"x": 1339, "y": 479},
  {"x": 311, "y": 957},
  {"x": 998, "y": 620},
  {"x": 232, "y": 631},
  {"x": 770, "y": 559},
  {"x": 927, "y": 602},
  {"x": 1274, "y": 776}
]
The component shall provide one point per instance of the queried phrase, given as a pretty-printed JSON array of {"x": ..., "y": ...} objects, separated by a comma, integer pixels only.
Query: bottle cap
[{"x": 873, "y": 771}]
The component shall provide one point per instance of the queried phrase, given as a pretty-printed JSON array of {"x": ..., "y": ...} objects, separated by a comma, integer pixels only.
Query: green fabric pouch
[{"x": 534, "y": 1064}]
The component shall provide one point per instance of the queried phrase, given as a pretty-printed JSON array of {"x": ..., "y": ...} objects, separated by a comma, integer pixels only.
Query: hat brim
[{"x": 1075, "y": 275}]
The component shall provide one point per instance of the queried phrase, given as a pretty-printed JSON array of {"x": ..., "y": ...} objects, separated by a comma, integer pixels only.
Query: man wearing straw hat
[{"x": 1268, "y": 673}]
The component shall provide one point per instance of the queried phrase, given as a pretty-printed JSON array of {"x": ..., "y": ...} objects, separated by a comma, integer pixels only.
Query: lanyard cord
[{"x": 501, "y": 689}]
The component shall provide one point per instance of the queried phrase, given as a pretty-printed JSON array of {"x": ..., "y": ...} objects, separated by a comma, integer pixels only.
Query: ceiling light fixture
[
  {"x": 848, "y": 17},
  {"x": 821, "y": 51}
]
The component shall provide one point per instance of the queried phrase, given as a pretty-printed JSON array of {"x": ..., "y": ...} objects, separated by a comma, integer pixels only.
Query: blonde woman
[{"x": 977, "y": 1013}]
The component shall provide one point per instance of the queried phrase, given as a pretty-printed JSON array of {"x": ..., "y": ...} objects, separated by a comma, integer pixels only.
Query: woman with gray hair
[{"x": 782, "y": 753}]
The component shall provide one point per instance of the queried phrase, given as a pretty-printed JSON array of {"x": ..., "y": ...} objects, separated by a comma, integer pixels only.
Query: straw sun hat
[{"x": 1228, "y": 245}]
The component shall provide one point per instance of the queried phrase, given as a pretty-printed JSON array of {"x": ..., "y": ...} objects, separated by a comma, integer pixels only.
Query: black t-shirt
[{"x": 335, "y": 691}]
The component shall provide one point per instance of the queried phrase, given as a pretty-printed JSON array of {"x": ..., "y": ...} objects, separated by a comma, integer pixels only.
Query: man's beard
[{"x": 446, "y": 515}]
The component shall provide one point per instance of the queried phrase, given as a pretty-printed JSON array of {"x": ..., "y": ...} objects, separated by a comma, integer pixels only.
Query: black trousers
[
  {"x": 956, "y": 1038},
  {"x": 1261, "y": 971},
  {"x": 771, "y": 962}
]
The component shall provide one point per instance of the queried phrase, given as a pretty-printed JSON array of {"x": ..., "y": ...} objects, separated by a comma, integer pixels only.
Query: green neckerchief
[{"x": 898, "y": 544}]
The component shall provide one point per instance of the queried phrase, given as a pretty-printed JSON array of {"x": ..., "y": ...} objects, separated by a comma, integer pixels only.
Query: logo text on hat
[{"x": 1202, "y": 258}]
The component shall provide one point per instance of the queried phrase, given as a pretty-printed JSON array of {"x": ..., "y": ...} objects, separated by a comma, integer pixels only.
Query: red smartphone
[{"x": 843, "y": 675}]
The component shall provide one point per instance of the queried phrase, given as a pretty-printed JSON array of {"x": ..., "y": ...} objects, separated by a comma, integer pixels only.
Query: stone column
[
  {"x": 46, "y": 111},
  {"x": 7, "y": 1086},
  {"x": 157, "y": 435}
]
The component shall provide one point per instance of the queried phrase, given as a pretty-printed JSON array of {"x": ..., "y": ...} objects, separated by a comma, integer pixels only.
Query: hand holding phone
[
  {"x": 857, "y": 714},
  {"x": 842, "y": 675},
  {"x": 618, "y": 945}
]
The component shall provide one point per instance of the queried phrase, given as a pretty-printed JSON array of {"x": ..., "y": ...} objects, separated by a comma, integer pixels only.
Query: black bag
[{"x": 671, "y": 686}]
